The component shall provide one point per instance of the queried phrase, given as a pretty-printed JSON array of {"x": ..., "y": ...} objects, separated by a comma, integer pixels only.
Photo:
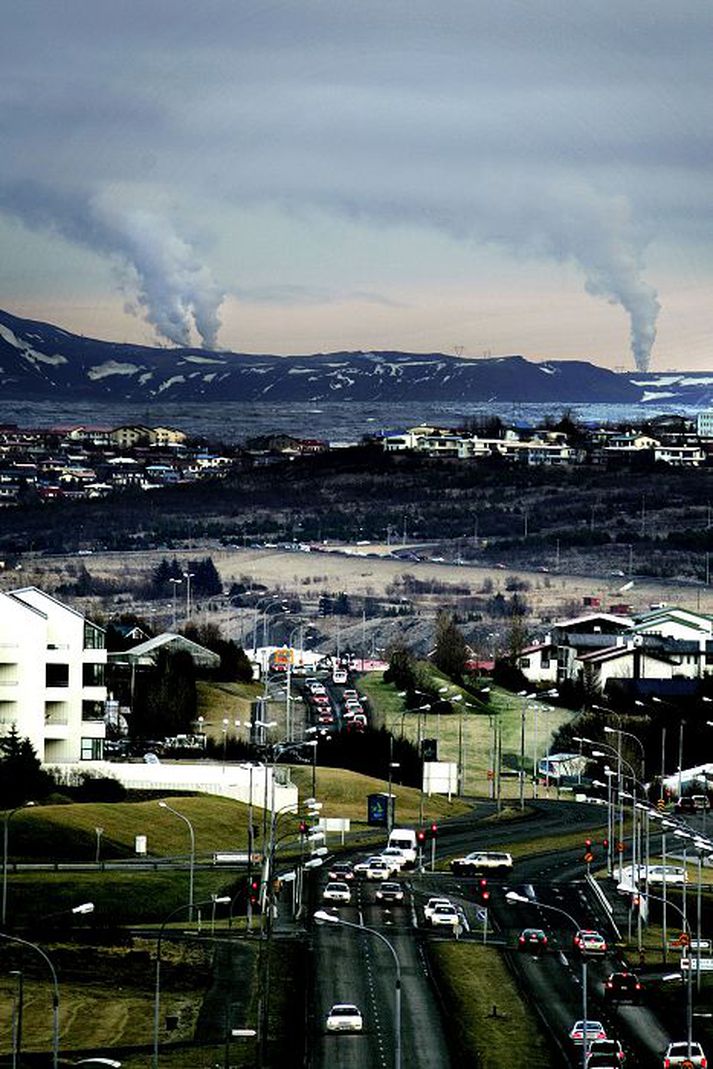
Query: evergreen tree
[
  {"x": 451, "y": 652},
  {"x": 22, "y": 777}
]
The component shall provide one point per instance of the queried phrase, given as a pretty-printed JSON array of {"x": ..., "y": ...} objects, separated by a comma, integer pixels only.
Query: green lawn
[
  {"x": 343, "y": 794},
  {"x": 67, "y": 832},
  {"x": 476, "y": 728},
  {"x": 473, "y": 980}
]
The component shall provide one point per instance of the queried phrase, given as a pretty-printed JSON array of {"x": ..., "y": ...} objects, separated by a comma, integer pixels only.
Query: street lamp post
[
  {"x": 188, "y": 576},
  {"x": 630, "y": 735},
  {"x": 323, "y": 917},
  {"x": 157, "y": 982},
  {"x": 17, "y": 1018},
  {"x": 55, "y": 991},
  {"x": 5, "y": 847},
  {"x": 689, "y": 984},
  {"x": 389, "y": 807},
  {"x": 514, "y": 898},
  {"x": 192, "y": 865},
  {"x": 99, "y": 832},
  {"x": 175, "y": 583}
]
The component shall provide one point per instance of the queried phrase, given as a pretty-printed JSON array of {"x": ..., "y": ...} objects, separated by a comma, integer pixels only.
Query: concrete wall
[{"x": 235, "y": 782}]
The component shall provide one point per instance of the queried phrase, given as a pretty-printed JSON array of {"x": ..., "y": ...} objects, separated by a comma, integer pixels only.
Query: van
[
  {"x": 404, "y": 839},
  {"x": 339, "y": 675}
]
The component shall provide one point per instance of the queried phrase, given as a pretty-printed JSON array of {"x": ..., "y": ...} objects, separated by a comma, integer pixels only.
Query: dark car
[
  {"x": 532, "y": 939},
  {"x": 622, "y": 987},
  {"x": 602, "y": 1061}
]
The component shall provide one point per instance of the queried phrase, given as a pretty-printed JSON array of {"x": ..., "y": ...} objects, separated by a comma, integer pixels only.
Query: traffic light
[
  {"x": 421, "y": 836},
  {"x": 252, "y": 890},
  {"x": 588, "y": 845},
  {"x": 303, "y": 827},
  {"x": 484, "y": 892},
  {"x": 434, "y": 830},
  {"x": 605, "y": 844}
]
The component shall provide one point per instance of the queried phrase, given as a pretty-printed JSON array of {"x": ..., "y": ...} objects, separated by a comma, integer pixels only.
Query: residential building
[{"x": 52, "y": 689}]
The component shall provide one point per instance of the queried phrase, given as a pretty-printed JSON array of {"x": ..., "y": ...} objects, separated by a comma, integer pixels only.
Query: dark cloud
[{"x": 568, "y": 131}]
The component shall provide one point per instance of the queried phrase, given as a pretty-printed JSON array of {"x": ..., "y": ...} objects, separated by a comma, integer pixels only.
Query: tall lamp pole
[
  {"x": 322, "y": 917},
  {"x": 165, "y": 805},
  {"x": 514, "y": 898},
  {"x": 5, "y": 849},
  {"x": 55, "y": 992},
  {"x": 188, "y": 576},
  {"x": 175, "y": 583}
]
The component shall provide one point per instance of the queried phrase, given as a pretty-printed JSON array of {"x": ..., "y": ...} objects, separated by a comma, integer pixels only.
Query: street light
[
  {"x": 630, "y": 735},
  {"x": 157, "y": 982},
  {"x": 323, "y": 917},
  {"x": 55, "y": 992},
  {"x": 175, "y": 583},
  {"x": 188, "y": 576},
  {"x": 165, "y": 805},
  {"x": 5, "y": 844},
  {"x": 689, "y": 985},
  {"x": 226, "y": 725},
  {"x": 514, "y": 898}
]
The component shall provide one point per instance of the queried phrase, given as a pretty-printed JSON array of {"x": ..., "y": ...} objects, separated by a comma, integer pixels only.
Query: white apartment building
[{"x": 52, "y": 664}]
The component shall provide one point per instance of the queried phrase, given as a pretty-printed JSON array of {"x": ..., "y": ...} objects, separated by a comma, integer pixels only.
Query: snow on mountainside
[{"x": 38, "y": 360}]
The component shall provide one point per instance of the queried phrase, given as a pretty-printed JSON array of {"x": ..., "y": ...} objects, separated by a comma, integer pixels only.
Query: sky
[{"x": 484, "y": 177}]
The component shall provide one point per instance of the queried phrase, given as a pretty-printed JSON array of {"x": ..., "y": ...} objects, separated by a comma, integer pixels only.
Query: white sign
[
  {"x": 705, "y": 964},
  {"x": 140, "y": 844},
  {"x": 440, "y": 777},
  {"x": 334, "y": 823}
]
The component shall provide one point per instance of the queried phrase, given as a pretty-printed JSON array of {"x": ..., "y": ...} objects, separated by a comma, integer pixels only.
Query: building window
[
  {"x": 524, "y": 662},
  {"x": 545, "y": 660},
  {"x": 57, "y": 675},
  {"x": 93, "y": 637},
  {"x": 92, "y": 749},
  {"x": 92, "y": 710},
  {"x": 93, "y": 675}
]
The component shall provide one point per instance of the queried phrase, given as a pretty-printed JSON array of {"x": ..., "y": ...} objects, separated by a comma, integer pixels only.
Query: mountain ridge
[{"x": 41, "y": 361}]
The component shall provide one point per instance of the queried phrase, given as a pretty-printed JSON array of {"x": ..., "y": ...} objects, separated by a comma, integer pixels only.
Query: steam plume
[{"x": 175, "y": 290}]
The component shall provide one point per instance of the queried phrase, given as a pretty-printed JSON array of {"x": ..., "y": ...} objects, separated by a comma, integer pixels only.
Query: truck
[{"x": 404, "y": 839}]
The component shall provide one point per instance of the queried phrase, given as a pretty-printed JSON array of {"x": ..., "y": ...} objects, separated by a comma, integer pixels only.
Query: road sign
[
  {"x": 706, "y": 964},
  {"x": 588, "y": 857},
  {"x": 620, "y": 848},
  {"x": 491, "y": 774},
  {"x": 661, "y": 805}
]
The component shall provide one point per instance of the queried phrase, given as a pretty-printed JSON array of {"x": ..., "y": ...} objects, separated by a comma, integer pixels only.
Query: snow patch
[
  {"x": 546, "y": 369},
  {"x": 209, "y": 377},
  {"x": 651, "y": 395},
  {"x": 143, "y": 379},
  {"x": 171, "y": 382},
  {"x": 201, "y": 360},
  {"x": 111, "y": 367},
  {"x": 28, "y": 352}
]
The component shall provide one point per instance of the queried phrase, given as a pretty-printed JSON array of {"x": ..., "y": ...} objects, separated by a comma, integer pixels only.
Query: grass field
[
  {"x": 119, "y": 897},
  {"x": 344, "y": 795},
  {"x": 68, "y": 831},
  {"x": 473, "y": 979},
  {"x": 541, "y": 722},
  {"x": 231, "y": 701}
]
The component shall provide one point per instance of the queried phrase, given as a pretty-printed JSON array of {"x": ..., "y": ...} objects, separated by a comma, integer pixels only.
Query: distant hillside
[{"x": 40, "y": 361}]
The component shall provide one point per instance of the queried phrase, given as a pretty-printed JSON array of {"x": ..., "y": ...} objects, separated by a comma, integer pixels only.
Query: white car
[
  {"x": 594, "y": 1029},
  {"x": 361, "y": 867},
  {"x": 431, "y": 905},
  {"x": 394, "y": 858},
  {"x": 677, "y": 1054},
  {"x": 343, "y": 1017},
  {"x": 337, "y": 892},
  {"x": 445, "y": 917},
  {"x": 675, "y": 874},
  {"x": 378, "y": 869},
  {"x": 390, "y": 892}
]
